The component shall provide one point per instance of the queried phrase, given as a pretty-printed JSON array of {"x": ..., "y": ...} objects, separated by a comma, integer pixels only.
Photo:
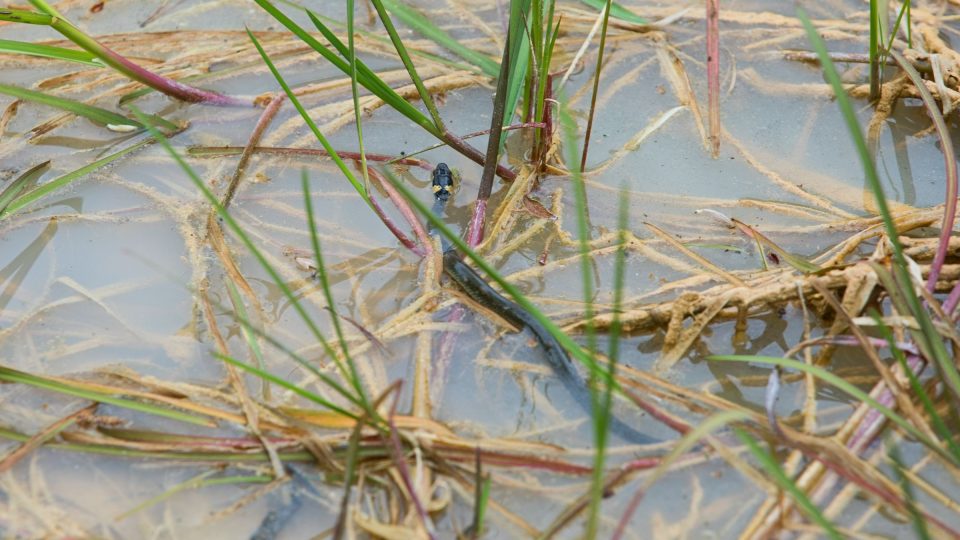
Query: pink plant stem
[
  {"x": 405, "y": 211},
  {"x": 170, "y": 87},
  {"x": 477, "y": 223}
]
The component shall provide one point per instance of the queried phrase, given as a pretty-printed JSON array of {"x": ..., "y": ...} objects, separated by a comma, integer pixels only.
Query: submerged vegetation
[{"x": 314, "y": 366}]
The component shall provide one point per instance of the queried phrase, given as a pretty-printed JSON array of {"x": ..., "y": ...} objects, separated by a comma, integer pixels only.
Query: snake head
[{"x": 442, "y": 182}]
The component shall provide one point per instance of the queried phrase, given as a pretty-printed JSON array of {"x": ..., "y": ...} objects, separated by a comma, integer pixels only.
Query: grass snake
[{"x": 482, "y": 293}]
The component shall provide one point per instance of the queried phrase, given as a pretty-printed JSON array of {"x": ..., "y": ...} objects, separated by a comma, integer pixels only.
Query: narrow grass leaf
[
  {"x": 67, "y": 179},
  {"x": 407, "y": 63},
  {"x": 372, "y": 83},
  {"x": 596, "y": 84},
  {"x": 355, "y": 94},
  {"x": 62, "y": 387},
  {"x": 936, "y": 420},
  {"x": 950, "y": 167},
  {"x": 49, "y": 51},
  {"x": 569, "y": 129},
  {"x": 95, "y": 114},
  {"x": 916, "y": 517},
  {"x": 325, "y": 283},
  {"x": 200, "y": 481},
  {"x": 13, "y": 190},
  {"x": 422, "y": 25},
  {"x": 251, "y": 247},
  {"x": 361, "y": 189},
  {"x": 270, "y": 377},
  {"x": 797, "y": 262},
  {"x": 107, "y": 450},
  {"x": 775, "y": 472},
  {"x": 520, "y": 46},
  {"x": 617, "y": 11},
  {"x": 928, "y": 339},
  {"x": 250, "y": 337},
  {"x": 846, "y": 388}
]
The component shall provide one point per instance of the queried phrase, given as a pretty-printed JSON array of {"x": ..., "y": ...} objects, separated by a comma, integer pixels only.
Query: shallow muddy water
[{"x": 102, "y": 280}]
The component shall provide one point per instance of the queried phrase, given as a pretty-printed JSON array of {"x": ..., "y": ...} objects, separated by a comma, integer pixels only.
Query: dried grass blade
[
  {"x": 709, "y": 266},
  {"x": 846, "y": 388},
  {"x": 691, "y": 438},
  {"x": 797, "y": 262},
  {"x": 772, "y": 466},
  {"x": 43, "y": 436}
]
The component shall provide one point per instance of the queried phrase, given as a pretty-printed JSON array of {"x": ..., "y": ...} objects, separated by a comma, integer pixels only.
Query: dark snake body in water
[{"x": 481, "y": 292}]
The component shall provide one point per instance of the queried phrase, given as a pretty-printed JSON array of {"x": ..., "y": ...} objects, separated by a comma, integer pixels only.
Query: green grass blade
[
  {"x": 519, "y": 59},
  {"x": 361, "y": 189},
  {"x": 355, "y": 94},
  {"x": 95, "y": 114},
  {"x": 67, "y": 179},
  {"x": 325, "y": 283},
  {"x": 270, "y": 377},
  {"x": 248, "y": 336},
  {"x": 372, "y": 36},
  {"x": 49, "y": 51},
  {"x": 240, "y": 317},
  {"x": 408, "y": 63},
  {"x": 617, "y": 11},
  {"x": 376, "y": 86},
  {"x": 422, "y": 25},
  {"x": 365, "y": 76},
  {"x": 251, "y": 247},
  {"x": 16, "y": 187},
  {"x": 874, "y": 50},
  {"x": 936, "y": 420},
  {"x": 15, "y": 376},
  {"x": 23, "y": 16},
  {"x": 776, "y": 473},
  {"x": 916, "y": 517},
  {"x": 569, "y": 131},
  {"x": 928, "y": 339},
  {"x": 846, "y": 388}
]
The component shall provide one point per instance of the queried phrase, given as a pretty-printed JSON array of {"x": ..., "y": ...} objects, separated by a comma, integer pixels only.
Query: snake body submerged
[{"x": 481, "y": 292}]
